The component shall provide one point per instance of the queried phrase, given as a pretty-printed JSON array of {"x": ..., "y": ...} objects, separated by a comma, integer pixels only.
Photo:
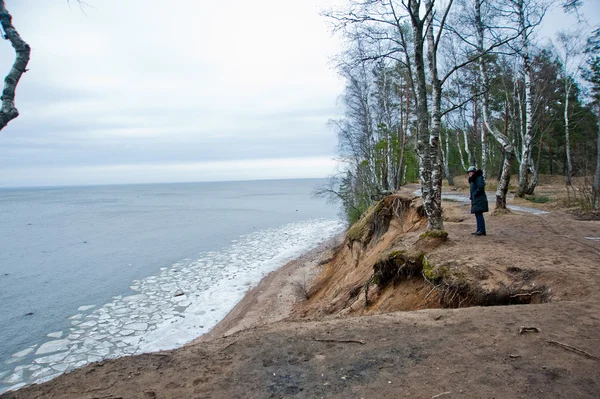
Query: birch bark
[
  {"x": 596, "y": 186},
  {"x": 436, "y": 111},
  {"x": 460, "y": 151},
  {"x": 432, "y": 208},
  {"x": 501, "y": 138},
  {"x": 527, "y": 142},
  {"x": 567, "y": 137}
]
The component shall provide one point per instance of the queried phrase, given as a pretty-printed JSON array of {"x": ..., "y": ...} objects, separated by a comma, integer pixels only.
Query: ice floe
[
  {"x": 23, "y": 353},
  {"x": 57, "y": 334},
  {"x": 53, "y": 346},
  {"x": 168, "y": 309}
]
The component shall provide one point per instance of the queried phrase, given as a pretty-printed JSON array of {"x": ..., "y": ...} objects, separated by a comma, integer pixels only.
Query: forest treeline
[{"x": 433, "y": 87}]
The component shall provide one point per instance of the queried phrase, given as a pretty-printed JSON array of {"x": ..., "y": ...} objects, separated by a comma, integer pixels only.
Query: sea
[{"x": 97, "y": 272}]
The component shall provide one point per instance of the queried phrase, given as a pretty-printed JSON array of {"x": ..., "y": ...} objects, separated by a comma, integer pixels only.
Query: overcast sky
[{"x": 186, "y": 90}]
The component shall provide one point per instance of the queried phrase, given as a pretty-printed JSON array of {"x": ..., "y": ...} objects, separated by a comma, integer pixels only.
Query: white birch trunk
[
  {"x": 501, "y": 138},
  {"x": 527, "y": 142},
  {"x": 436, "y": 122},
  {"x": 445, "y": 155},
  {"x": 484, "y": 149},
  {"x": 460, "y": 150},
  {"x": 8, "y": 110},
  {"x": 432, "y": 209},
  {"x": 470, "y": 158},
  {"x": 567, "y": 134},
  {"x": 596, "y": 186}
]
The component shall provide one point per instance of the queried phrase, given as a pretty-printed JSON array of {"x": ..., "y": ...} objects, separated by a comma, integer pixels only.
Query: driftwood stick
[
  {"x": 572, "y": 349},
  {"x": 441, "y": 394},
  {"x": 525, "y": 329},
  {"x": 526, "y": 294},
  {"x": 354, "y": 341},
  {"x": 228, "y": 345}
]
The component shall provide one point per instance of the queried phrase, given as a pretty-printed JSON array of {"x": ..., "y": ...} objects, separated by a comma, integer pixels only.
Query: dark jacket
[{"x": 479, "y": 202}]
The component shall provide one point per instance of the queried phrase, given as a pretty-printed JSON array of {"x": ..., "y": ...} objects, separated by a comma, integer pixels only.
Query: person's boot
[{"x": 479, "y": 233}]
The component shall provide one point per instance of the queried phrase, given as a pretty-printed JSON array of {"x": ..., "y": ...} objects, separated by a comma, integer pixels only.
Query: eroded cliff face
[{"x": 389, "y": 262}]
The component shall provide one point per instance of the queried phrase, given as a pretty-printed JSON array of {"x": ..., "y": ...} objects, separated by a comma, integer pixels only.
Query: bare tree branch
[{"x": 8, "y": 111}]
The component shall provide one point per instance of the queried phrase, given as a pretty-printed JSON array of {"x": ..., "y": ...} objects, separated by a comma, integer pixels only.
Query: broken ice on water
[{"x": 168, "y": 309}]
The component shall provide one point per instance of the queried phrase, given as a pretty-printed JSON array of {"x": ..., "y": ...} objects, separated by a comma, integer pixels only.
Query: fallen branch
[
  {"x": 441, "y": 394},
  {"x": 572, "y": 349},
  {"x": 524, "y": 329},
  {"x": 354, "y": 341},
  {"x": 228, "y": 345},
  {"x": 526, "y": 294}
]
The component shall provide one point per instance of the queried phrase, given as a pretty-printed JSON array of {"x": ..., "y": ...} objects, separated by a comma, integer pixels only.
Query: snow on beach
[{"x": 168, "y": 309}]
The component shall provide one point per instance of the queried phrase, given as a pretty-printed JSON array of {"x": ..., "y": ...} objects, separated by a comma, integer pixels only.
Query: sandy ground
[
  {"x": 263, "y": 349},
  {"x": 273, "y": 299}
]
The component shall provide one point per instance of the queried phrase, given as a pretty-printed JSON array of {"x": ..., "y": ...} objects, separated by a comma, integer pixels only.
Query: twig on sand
[
  {"x": 354, "y": 341},
  {"x": 526, "y": 294},
  {"x": 524, "y": 329},
  {"x": 572, "y": 349},
  {"x": 441, "y": 394},
  {"x": 228, "y": 345}
]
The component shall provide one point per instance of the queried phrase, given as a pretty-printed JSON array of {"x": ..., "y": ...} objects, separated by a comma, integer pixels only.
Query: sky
[{"x": 143, "y": 91}]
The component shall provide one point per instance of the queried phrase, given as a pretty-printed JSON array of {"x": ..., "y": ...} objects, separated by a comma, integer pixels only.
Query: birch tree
[
  {"x": 502, "y": 139},
  {"x": 8, "y": 110},
  {"x": 591, "y": 73},
  {"x": 383, "y": 22},
  {"x": 529, "y": 15},
  {"x": 570, "y": 50}
]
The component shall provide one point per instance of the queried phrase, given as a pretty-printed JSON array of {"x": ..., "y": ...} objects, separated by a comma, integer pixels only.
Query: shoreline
[
  {"x": 27, "y": 367},
  {"x": 274, "y": 297}
]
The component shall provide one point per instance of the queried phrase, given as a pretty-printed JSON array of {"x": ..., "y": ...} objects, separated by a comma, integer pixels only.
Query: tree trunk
[
  {"x": 436, "y": 122},
  {"x": 432, "y": 208},
  {"x": 503, "y": 140},
  {"x": 518, "y": 113},
  {"x": 445, "y": 154},
  {"x": 596, "y": 186},
  {"x": 401, "y": 167},
  {"x": 523, "y": 187},
  {"x": 534, "y": 179},
  {"x": 483, "y": 150},
  {"x": 569, "y": 173},
  {"x": 460, "y": 151},
  {"x": 470, "y": 157},
  {"x": 8, "y": 111},
  {"x": 404, "y": 127}
]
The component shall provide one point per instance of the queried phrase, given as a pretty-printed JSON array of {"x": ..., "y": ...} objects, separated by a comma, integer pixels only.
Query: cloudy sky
[
  {"x": 189, "y": 90},
  {"x": 186, "y": 90}
]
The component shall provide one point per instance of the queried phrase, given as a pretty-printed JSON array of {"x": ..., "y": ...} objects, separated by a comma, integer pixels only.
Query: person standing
[{"x": 479, "y": 202}]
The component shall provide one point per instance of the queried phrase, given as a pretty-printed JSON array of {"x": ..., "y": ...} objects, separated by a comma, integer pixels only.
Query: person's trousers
[{"x": 480, "y": 221}]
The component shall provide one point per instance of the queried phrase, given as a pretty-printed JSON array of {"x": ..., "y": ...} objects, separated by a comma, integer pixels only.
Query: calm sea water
[{"x": 63, "y": 248}]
